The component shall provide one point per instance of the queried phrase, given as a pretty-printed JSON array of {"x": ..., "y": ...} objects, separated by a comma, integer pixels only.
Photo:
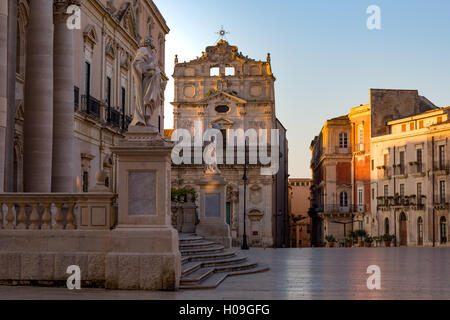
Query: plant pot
[
  {"x": 387, "y": 243},
  {"x": 361, "y": 243},
  {"x": 368, "y": 244},
  {"x": 331, "y": 244},
  {"x": 349, "y": 244}
]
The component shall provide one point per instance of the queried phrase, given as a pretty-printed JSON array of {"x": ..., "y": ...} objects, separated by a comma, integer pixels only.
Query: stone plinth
[
  {"x": 144, "y": 249},
  {"x": 213, "y": 225}
]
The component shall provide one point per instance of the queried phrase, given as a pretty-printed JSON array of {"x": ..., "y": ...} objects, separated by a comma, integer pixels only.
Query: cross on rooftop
[{"x": 222, "y": 33}]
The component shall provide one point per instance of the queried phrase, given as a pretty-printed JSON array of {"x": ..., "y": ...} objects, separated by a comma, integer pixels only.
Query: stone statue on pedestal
[{"x": 149, "y": 86}]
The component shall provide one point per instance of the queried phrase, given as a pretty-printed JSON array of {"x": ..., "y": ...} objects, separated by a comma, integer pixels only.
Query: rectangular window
[
  {"x": 419, "y": 156},
  {"x": 343, "y": 143},
  {"x": 373, "y": 164},
  {"x": 402, "y": 162},
  {"x": 386, "y": 159},
  {"x": 421, "y": 124},
  {"x": 108, "y": 92},
  {"x": 373, "y": 194},
  {"x": 442, "y": 191},
  {"x": 85, "y": 181},
  {"x": 419, "y": 192},
  {"x": 403, "y": 127},
  {"x": 411, "y": 126},
  {"x": 441, "y": 156},
  {"x": 87, "y": 79},
  {"x": 360, "y": 196},
  {"x": 439, "y": 120},
  {"x": 402, "y": 190},
  {"x": 386, "y": 191},
  {"x": 361, "y": 135}
]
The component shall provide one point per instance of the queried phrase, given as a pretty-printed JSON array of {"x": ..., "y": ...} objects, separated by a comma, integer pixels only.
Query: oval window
[{"x": 222, "y": 109}]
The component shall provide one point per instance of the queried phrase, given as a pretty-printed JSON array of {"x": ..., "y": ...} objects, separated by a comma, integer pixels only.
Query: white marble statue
[{"x": 147, "y": 82}]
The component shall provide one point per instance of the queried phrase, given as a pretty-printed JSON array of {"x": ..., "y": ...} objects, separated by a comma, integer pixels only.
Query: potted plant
[
  {"x": 331, "y": 240},
  {"x": 378, "y": 240},
  {"x": 387, "y": 239},
  {"x": 361, "y": 234},
  {"x": 368, "y": 241},
  {"x": 353, "y": 236},
  {"x": 348, "y": 242}
]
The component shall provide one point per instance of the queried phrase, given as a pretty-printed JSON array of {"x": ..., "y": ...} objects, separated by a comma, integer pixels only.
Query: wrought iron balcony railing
[
  {"x": 441, "y": 167},
  {"x": 400, "y": 170},
  {"x": 417, "y": 168},
  {"x": 336, "y": 208},
  {"x": 90, "y": 106}
]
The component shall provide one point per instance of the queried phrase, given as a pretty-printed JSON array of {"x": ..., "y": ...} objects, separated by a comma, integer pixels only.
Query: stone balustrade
[{"x": 32, "y": 211}]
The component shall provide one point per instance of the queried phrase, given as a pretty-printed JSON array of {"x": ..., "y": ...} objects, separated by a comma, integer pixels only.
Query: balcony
[
  {"x": 339, "y": 150},
  {"x": 417, "y": 169},
  {"x": 114, "y": 117},
  {"x": 441, "y": 168},
  {"x": 397, "y": 202},
  {"x": 385, "y": 172},
  {"x": 400, "y": 171},
  {"x": 90, "y": 106},
  {"x": 338, "y": 209},
  {"x": 440, "y": 202},
  {"x": 358, "y": 148}
]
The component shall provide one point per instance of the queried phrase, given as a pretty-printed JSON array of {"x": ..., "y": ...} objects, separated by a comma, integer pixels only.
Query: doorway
[
  {"x": 420, "y": 231},
  {"x": 403, "y": 230}
]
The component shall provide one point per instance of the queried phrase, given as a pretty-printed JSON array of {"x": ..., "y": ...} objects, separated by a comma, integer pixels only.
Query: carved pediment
[
  {"x": 222, "y": 123},
  {"x": 222, "y": 97},
  {"x": 110, "y": 50},
  {"x": 90, "y": 35}
]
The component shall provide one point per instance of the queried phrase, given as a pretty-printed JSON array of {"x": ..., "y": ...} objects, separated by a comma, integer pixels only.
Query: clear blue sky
[{"x": 323, "y": 56}]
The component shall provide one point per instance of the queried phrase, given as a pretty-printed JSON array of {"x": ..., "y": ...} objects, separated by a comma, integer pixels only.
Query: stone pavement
[{"x": 336, "y": 273}]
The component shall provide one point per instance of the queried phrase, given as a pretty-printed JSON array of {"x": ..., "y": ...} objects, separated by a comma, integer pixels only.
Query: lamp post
[{"x": 244, "y": 236}]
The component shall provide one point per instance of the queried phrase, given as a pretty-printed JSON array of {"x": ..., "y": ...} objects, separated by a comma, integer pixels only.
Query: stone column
[
  {"x": 3, "y": 86},
  {"x": 11, "y": 87},
  {"x": 63, "y": 102},
  {"x": 38, "y": 126}
]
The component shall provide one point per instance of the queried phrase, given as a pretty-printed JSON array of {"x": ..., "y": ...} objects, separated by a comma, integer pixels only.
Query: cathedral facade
[
  {"x": 225, "y": 90},
  {"x": 70, "y": 95}
]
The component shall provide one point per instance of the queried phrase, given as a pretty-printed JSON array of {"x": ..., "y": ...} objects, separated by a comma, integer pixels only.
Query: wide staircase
[{"x": 205, "y": 264}]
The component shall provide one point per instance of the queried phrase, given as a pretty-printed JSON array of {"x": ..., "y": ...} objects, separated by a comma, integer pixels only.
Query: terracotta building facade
[{"x": 395, "y": 176}]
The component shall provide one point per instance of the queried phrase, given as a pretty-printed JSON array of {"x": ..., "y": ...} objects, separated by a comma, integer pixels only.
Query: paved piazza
[{"x": 406, "y": 273}]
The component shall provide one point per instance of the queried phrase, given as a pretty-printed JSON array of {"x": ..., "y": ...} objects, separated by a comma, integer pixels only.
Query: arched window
[
  {"x": 343, "y": 199},
  {"x": 386, "y": 226},
  {"x": 343, "y": 140},
  {"x": 443, "y": 224}
]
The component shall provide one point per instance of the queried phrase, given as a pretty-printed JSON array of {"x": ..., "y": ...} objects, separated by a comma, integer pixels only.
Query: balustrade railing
[{"x": 26, "y": 211}]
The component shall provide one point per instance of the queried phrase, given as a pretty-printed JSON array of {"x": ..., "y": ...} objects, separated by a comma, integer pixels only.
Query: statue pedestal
[
  {"x": 144, "y": 251},
  {"x": 213, "y": 225}
]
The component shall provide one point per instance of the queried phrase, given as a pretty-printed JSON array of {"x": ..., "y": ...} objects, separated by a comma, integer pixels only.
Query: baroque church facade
[
  {"x": 62, "y": 114},
  {"x": 223, "y": 89}
]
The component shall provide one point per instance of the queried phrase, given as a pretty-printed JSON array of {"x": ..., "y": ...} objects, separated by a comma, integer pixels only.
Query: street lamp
[{"x": 244, "y": 236}]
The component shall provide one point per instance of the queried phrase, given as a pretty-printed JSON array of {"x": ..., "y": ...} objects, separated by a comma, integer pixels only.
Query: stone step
[
  {"x": 197, "y": 251},
  {"x": 197, "y": 276},
  {"x": 235, "y": 267},
  {"x": 189, "y": 237},
  {"x": 196, "y": 244},
  {"x": 215, "y": 279},
  {"x": 209, "y": 256},
  {"x": 259, "y": 268},
  {"x": 190, "y": 267},
  {"x": 210, "y": 283}
]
